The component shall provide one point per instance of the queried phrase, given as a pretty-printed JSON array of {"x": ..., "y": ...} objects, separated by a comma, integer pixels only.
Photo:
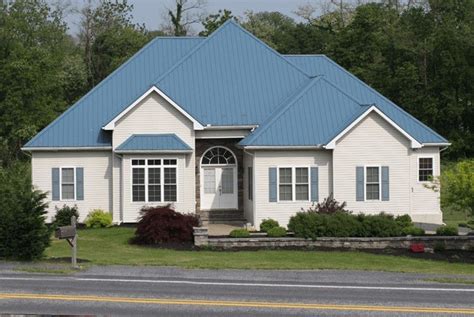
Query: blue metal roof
[
  {"x": 81, "y": 125},
  {"x": 323, "y": 65},
  {"x": 229, "y": 78},
  {"x": 312, "y": 118},
  {"x": 154, "y": 142}
]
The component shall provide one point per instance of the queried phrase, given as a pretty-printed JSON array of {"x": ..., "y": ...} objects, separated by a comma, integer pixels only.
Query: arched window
[{"x": 218, "y": 156}]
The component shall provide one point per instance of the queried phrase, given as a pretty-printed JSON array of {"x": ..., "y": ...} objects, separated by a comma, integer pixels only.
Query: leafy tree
[
  {"x": 23, "y": 233},
  {"x": 108, "y": 37},
  {"x": 35, "y": 78},
  {"x": 213, "y": 21},
  {"x": 457, "y": 186}
]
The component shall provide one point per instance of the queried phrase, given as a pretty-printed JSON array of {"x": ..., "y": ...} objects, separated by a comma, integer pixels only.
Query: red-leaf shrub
[{"x": 164, "y": 225}]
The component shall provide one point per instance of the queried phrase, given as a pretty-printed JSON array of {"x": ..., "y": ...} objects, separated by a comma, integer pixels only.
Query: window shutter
[
  {"x": 55, "y": 183},
  {"x": 385, "y": 183},
  {"x": 79, "y": 183},
  {"x": 314, "y": 184},
  {"x": 359, "y": 183},
  {"x": 272, "y": 179}
]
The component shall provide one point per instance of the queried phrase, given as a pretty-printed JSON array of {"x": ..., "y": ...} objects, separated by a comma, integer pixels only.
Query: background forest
[{"x": 418, "y": 53}]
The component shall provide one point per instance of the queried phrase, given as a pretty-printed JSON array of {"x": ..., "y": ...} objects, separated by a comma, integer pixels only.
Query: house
[{"x": 228, "y": 127}]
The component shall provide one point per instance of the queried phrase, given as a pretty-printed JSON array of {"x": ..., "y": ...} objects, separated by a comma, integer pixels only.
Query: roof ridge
[
  {"x": 342, "y": 91},
  {"x": 241, "y": 28},
  {"x": 106, "y": 79},
  {"x": 281, "y": 110},
  {"x": 190, "y": 53},
  {"x": 418, "y": 122}
]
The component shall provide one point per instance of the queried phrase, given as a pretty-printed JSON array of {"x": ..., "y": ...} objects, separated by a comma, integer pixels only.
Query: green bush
[
  {"x": 276, "y": 232},
  {"x": 23, "y": 233},
  {"x": 381, "y": 225},
  {"x": 98, "y": 218},
  {"x": 447, "y": 231},
  {"x": 239, "y": 233},
  {"x": 268, "y": 224},
  {"x": 64, "y": 214},
  {"x": 311, "y": 225},
  {"x": 413, "y": 231}
]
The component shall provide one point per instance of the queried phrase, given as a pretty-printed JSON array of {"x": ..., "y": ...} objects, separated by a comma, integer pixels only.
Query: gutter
[
  {"x": 230, "y": 127},
  {"x": 56, "y": 149}
]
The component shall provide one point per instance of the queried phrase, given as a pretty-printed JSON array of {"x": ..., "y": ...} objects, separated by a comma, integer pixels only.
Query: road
[{"x": 143, "y": 291}]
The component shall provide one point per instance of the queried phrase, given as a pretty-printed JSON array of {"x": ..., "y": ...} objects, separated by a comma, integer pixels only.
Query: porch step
[{"x": 226, "y": 216}]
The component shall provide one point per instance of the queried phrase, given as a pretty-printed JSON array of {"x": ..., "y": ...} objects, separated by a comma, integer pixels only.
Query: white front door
[{"x": 219, "y": 187}]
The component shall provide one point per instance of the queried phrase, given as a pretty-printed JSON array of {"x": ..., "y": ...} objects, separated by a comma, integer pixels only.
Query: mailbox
[{"x": 66, "y": 232}]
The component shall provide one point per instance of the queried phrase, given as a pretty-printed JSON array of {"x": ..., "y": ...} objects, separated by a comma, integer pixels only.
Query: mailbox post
[{"x": 69, "y": 233}]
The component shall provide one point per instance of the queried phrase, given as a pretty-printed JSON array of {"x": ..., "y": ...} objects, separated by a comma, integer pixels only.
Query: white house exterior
[{"x": 227, "y": 124}]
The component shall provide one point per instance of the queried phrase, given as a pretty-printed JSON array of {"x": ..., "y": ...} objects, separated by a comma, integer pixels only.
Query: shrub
[
  {"x": 23, "y": 233},
  {"x": 239, "y": 233},
  {"x": 447, "y": 231},
  {"x": 413, "y": 231},
  {"x": 64, "y": 214},
  {"x": 164, "y": 225},
  {"x": 381, "y": 225},
  {"x": 276, "y": 232},
  {"x": 268, "y": 224},
  {"x": 311, "y": 225},
  {"x": 328, "y": 206},
  {"x": 98, "y": 218},
  {"x": 404, "y": 221}
]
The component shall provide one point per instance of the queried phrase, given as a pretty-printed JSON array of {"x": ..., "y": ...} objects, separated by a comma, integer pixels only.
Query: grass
[
  {"x": 110, "y": 246},
  {"x": 451, "y": 280},
  {"x": 453, "y": 216}
]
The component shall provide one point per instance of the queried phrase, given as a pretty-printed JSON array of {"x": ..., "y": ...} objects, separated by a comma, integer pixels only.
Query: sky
[{"x": 151, "y": 12}]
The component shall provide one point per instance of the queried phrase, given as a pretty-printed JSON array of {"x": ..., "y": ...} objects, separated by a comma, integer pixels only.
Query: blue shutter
[
  {"x": 385, "y": 183},
  {"x": 314, "y": 184},
  {"x": 55, "y": 183},
  {"x": 359, "y": 183},
  {"x": 272, "y": 181},
  {"x": 79, "y": 183}
]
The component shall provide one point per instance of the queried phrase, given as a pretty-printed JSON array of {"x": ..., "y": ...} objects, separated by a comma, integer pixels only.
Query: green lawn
[
  {"x": 451, "y": 216},
  {"x": 109, "y": 246}
]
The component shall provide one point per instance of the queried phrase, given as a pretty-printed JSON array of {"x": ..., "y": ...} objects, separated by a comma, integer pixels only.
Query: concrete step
[{"x": 238, "y": 223}]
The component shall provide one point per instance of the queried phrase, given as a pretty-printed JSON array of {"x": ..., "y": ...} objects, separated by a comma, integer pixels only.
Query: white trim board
[
  {"x": 111, "y": 125},
  {"x": 332, "y": 144}
]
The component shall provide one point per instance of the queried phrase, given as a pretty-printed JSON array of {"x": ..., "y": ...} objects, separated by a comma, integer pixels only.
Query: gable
[{"x": 153, "y": 115}]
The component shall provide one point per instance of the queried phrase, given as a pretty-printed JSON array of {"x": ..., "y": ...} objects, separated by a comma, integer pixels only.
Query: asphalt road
[{"x": 176, "y": 292}]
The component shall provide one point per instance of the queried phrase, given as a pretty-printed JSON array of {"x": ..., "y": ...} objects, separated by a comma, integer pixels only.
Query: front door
[
  {"x": 218, "y": 179},
  {"x": 219, "y": 188}
]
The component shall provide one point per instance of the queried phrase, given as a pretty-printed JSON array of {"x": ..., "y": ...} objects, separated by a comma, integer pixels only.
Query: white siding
[
  {"x": 248, "y": 204},
  {"x": 282, "y": 211},
  {"x": 375, "y": 142},
  {"x": 97, "y": 178},
  {"x": 153, "y": 115}
]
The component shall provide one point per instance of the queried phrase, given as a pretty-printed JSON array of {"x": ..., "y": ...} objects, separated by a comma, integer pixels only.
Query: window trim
[
  {"x": 365, "y": 183},
  {"x": 162, "y": 179},
  {"x": 61, "y": 183},
  {"x": 293, "y": 183},
  {"x": 418, "y": 167},
  {"x": 250, "y": 183}
]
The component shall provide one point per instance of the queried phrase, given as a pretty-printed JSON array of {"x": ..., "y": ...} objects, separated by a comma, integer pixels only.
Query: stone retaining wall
[{"x": 432, "y": 242}]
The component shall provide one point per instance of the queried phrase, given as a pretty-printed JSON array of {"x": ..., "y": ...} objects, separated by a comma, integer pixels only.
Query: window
[
  {"x": 293, "y": 183},
  {"x": 425, "y": 169},
  {"x": 218, "y": 156},
  {"x": 302, "y": 184},
  {"x": 250, "y": 182},
  {"x": 68, "y": 183},
  {"x": 372, "y": 183},
  {"x": 154, "y": 180}
]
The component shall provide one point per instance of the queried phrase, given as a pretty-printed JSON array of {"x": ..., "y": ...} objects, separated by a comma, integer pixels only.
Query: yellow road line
[{"x": 276, "y": 305}]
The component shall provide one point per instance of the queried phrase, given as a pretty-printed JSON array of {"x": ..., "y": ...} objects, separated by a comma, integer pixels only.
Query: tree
[
  {"x": 35, "y": 77},
  {"x": 183, "y": 16},
  {"x": 23, "y": 233},
  {"x": 213, "y": 21},
  {"x": 457, "y": 186},
  {"x": 108, "y": 37}
]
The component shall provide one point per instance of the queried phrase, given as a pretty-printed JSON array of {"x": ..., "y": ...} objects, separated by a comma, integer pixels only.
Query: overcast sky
[{"x": 151, "y": 12}]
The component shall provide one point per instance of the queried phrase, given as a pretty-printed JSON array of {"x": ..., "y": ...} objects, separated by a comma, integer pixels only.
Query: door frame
[{"x": 207, "y": 166}]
